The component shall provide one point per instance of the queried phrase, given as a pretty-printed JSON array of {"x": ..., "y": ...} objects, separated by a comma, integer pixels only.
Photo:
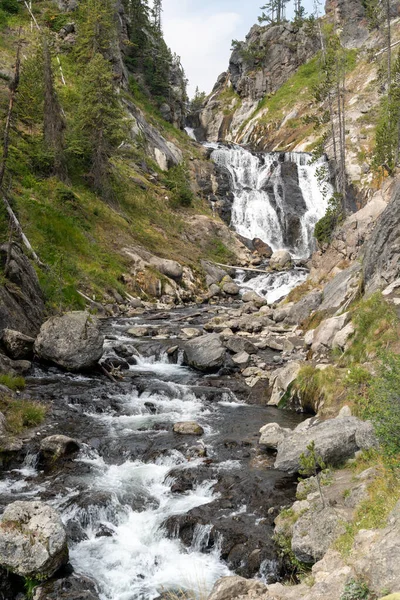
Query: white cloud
[{"x": 202, "y": 40}]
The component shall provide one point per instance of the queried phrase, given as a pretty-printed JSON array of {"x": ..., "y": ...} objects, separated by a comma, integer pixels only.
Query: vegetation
[
  {"x": 21, "y": 414},
  {"x": 333, "y": 217},
  {"x": 356, "y": 590},
  {"x": 13, "y": 382},
  {"x": 311, "y": 464}
]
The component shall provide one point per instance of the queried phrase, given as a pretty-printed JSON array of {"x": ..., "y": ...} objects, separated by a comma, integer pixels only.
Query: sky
[{"x": 201, "y": 32}]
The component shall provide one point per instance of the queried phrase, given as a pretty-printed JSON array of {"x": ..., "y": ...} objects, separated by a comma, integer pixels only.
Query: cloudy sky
[{"x": 201, "y": 31}]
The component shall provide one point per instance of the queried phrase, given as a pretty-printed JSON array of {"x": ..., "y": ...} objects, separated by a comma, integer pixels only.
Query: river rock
[
  {"x": 205, "y": 353},
  {"x": 238, "y": 344},
  {"x": 231, "y": 289},
  {"x": 18, "y": 345},
  {"x": 326, "y": 331},
  {"x": 254, "y": 298},
  {"x": 336, "y": 440},
  {"x": 262, "y": 248},
  {"x": 33, "y": 542},
  {"x": 214, "y": 290},
  {"x": 282, "y": 378},
  {"x": 191, "y": 332},
  {"x": 241, "y": 359},
  {"x": 58, "y": 446},
  {"x": 280, "y": 260},
  {"x": 74, "y": 587},
  {"x": 214, "y": 274},
  {"x": 188, "y": 428},
  {"x": 72, "y": 341},
  {"x": 235, "y": 588},
  {"x": 13, "y": 367},
  {"x": 272, "y": 434}
]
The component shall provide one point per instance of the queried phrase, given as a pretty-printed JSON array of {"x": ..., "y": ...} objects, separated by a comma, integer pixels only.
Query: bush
[
  {"x": 356, "y": 590},
  {"x": 333, "y": 217},
  {"x": 10, "y": 6},
  {"x": 21, "y": 414},
  {"x": 13, "y": 383},
  {"x": 178, "y": 182}
]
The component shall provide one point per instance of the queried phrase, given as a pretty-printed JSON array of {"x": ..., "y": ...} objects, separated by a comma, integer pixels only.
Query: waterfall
[{"x": 278, "y": 197}]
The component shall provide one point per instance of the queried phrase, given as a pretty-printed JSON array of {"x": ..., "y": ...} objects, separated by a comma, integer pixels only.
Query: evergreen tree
[
  {"x": 157, "y": 10},
  {"x": 273, "y": 12},
  {"x": 97, "y": 28},
  {"x": 98, "y": 120},
  {"x": 197, "y": 100}
]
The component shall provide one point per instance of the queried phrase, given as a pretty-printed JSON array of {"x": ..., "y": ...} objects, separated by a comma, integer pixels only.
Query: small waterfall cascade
[{"x": 278, "y": 196}]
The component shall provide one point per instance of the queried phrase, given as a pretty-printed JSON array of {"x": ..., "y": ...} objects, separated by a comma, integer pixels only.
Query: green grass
[
  {"x": 13, "y": 383},
  {"x": 21, "y": 414}
]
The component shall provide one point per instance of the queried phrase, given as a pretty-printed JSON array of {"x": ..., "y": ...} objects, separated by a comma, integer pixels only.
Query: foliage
[
  {"x": 21, "y": 414},
  {"x": 273, "y": 12},
  {"x": 311, "y": 463},
  {"x": 197, "y": 101},
  {"x": 356, "y": 590},
  {"x": 30, "y": 584},
  {"x": 10, "y": 6},
  {"x": 252, "y": 54},
  {"x": 13, "y": 383},
  {"x": 333, "y": 217},
  {"x": 177, "y": 181},
  {"x": 97, "y": 29}
]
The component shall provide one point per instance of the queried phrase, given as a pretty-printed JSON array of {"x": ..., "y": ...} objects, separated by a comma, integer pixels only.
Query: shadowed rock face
[{"x": 382, "y": 253}]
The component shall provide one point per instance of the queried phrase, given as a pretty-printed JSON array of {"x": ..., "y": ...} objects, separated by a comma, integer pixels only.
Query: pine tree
[
  {"x": 157, "y": 10},
  {"x": 97, "y": 28},
  {"x": 274, "y": 12},
  {"x": 98, "y": 120}
]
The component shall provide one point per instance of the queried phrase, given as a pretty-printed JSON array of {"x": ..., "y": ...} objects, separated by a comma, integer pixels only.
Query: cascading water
[{"x": 278, "y": 197}]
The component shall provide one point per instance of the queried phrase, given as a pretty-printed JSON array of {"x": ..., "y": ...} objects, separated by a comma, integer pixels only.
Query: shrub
[
  {"x": 10, "y": 6},
  {"x": 13, "y": 383},
  {"x": 356, "y": 590},
  {"x": 21, "y": 414},
  {"x": 178, "y": 182},
  {"x": 333, "y": 217}
]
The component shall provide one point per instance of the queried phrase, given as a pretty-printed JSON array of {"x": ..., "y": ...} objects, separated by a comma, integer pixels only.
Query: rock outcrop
[
  {"x": 33, "y": 542},
  {"x": 72, "y": 341}
]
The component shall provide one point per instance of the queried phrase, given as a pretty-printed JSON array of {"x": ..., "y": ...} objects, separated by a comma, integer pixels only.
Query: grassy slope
[{"x": 72, "y": 229}]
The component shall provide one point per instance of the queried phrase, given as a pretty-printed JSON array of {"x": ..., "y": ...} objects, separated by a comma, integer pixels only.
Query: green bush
[
  {"x": 356, "y": 590},
  {"x": 13, "y": 383},
  {"x": 10, "y": 6},
  {"x": 178, "y": 182},
  {"x": 333, "y": 217}
]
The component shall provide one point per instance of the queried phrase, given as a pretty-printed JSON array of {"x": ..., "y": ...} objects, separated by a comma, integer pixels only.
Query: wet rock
[
  {"x": 33, "y": 542},
  {"x": 239, "y": 344},
  {"x": 231, "y": 289},
  {"x": 72, "y": 341},
  {"x": 188, "y": 428},
  {"x": 205, "y": 353},
  {"x": 336, "y": 440},
  {"x": 74, "y": 587},
  {"x": 139, "y": 331},
  {"x": 280, "y": 260},
  {"x": 17, "y": 345},
  {"x": 13, "y": 367},
  {"x": 254, "y": 298},
  {"x": 262, "y": 248},
  {"x": 272, "y": 434},
  {"x": 55, "y": 447},
  {"x": 236, "y": 587}
]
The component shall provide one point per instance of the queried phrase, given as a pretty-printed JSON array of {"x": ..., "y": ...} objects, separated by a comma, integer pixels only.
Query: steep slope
[{"x": 89, "y": 235}]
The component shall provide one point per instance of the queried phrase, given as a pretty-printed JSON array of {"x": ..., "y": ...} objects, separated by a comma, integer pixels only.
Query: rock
[
  {"x": 214, "y": 290},
  {"x": 13, "y": 367},
  {"x": 58, "y": 446},
  {"x": 343, "y": 336},
  {"x": 339, "y": 292},
  {"x": 188, "y": 428},
  {"x": 262, "y": 248},
  {"x": 254, "y": 298},
  {"x": 214, "y": 274},
  {"x": 336, "y": 440},
  {"x": 33, "y": 542},
  {"x": 74, "y": 587},
  {"x": 314, "y": 532},
  {"x": 282, "y": 312},
  {"x": 21, "y": 299},
  {"x": 345, "y": 411},
  {"x": 229, "y": 588},
  {"x": 238, "y": 344},
  {"x": 326, "y": 332},
  {"x": 280, "y": 260},
  {"x": 72, "y": 341},
  {"x": 300, "y": 311},
  {"x": 191, "y": 332},
  {"x": 241, "y": 359},
  {"x": 391, "y": 597},
  {"x": 17, "y": 345},
  {"x": 272, "y": 434},
  {"x": 170, "y": 268},
  {"x": 231, "y": 289},
  {"x": 309, "y": 337},
  {"x": 282, "y": 380},
  {"x": 205, "y": 353}
]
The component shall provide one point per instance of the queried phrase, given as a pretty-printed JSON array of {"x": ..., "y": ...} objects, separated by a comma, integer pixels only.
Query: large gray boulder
[
  {"x": 254, "y": 298},
  {"x": 326, "y": 332},
  {"x": 303, "y": 309},
  {"x": 72, "y": 341},
  {"x": 336, "y": 440},
  {"x": 74, "y": 587},
  {"x": 205, "y": 353},
  {"x": 341, "y": 289},
  {"x": 280, "y": 260},
  {"x": 17, "y": 345},
  {"x": 229, "y": 588},
  {"x": 238, "y": 344},
  {"x": 315, "y": 531},
  {"x": 33, "y": 542},
  {"x": 55, "y": 447}
]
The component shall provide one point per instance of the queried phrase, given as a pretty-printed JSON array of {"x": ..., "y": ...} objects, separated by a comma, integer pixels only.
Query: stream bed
[{"x": 149, "y": 512}]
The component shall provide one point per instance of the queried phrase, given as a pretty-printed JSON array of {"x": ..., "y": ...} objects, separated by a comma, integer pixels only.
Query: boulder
[
  {"x": 300, "y": 311},
  {"x": 13, "y": 367},
  {"x": 18, "y": 345},
  {"x": 241, "y": 359},
  {"x": 231, "y": 289},
  {"x": 139, "y": 331},
  {"x": 74, "y": 587},
  {"x": 283, "y": 378},
  {"x": 191, "y": 332},
  {"x": 254, "y": 298},
  {"x": 272, "y": 434},
  {"x": 214, "y": 274},
  {"x": 262, "y": 248},
  {"x": 33, "y": 541},
  {"x": 336, "y": 440},
  {"x": 188, "y": 428},
  {"x": 280, "y": 260},
  {"x": 342, "y": 337},
  {"x": 205, "y": 353},
  {"x": 326, "y": 331},
  {"x": 58, "y": 446},
  {"x": 314, "y": 532},
  {"x": 214, "y": 290},
  {"x": 341, "y": 289},
  {"x": 72, "y": 341},
  {"x": 229, "y": 588},
  {"x": 238, "y": 344},
  {"x": 169, "y": 268}
]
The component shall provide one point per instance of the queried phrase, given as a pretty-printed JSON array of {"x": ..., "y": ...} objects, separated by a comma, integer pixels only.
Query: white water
[
  {"x": 273, "y": 286},
  {"x": 191, "y": 133},
  {"x": 258, "y": 213}
]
